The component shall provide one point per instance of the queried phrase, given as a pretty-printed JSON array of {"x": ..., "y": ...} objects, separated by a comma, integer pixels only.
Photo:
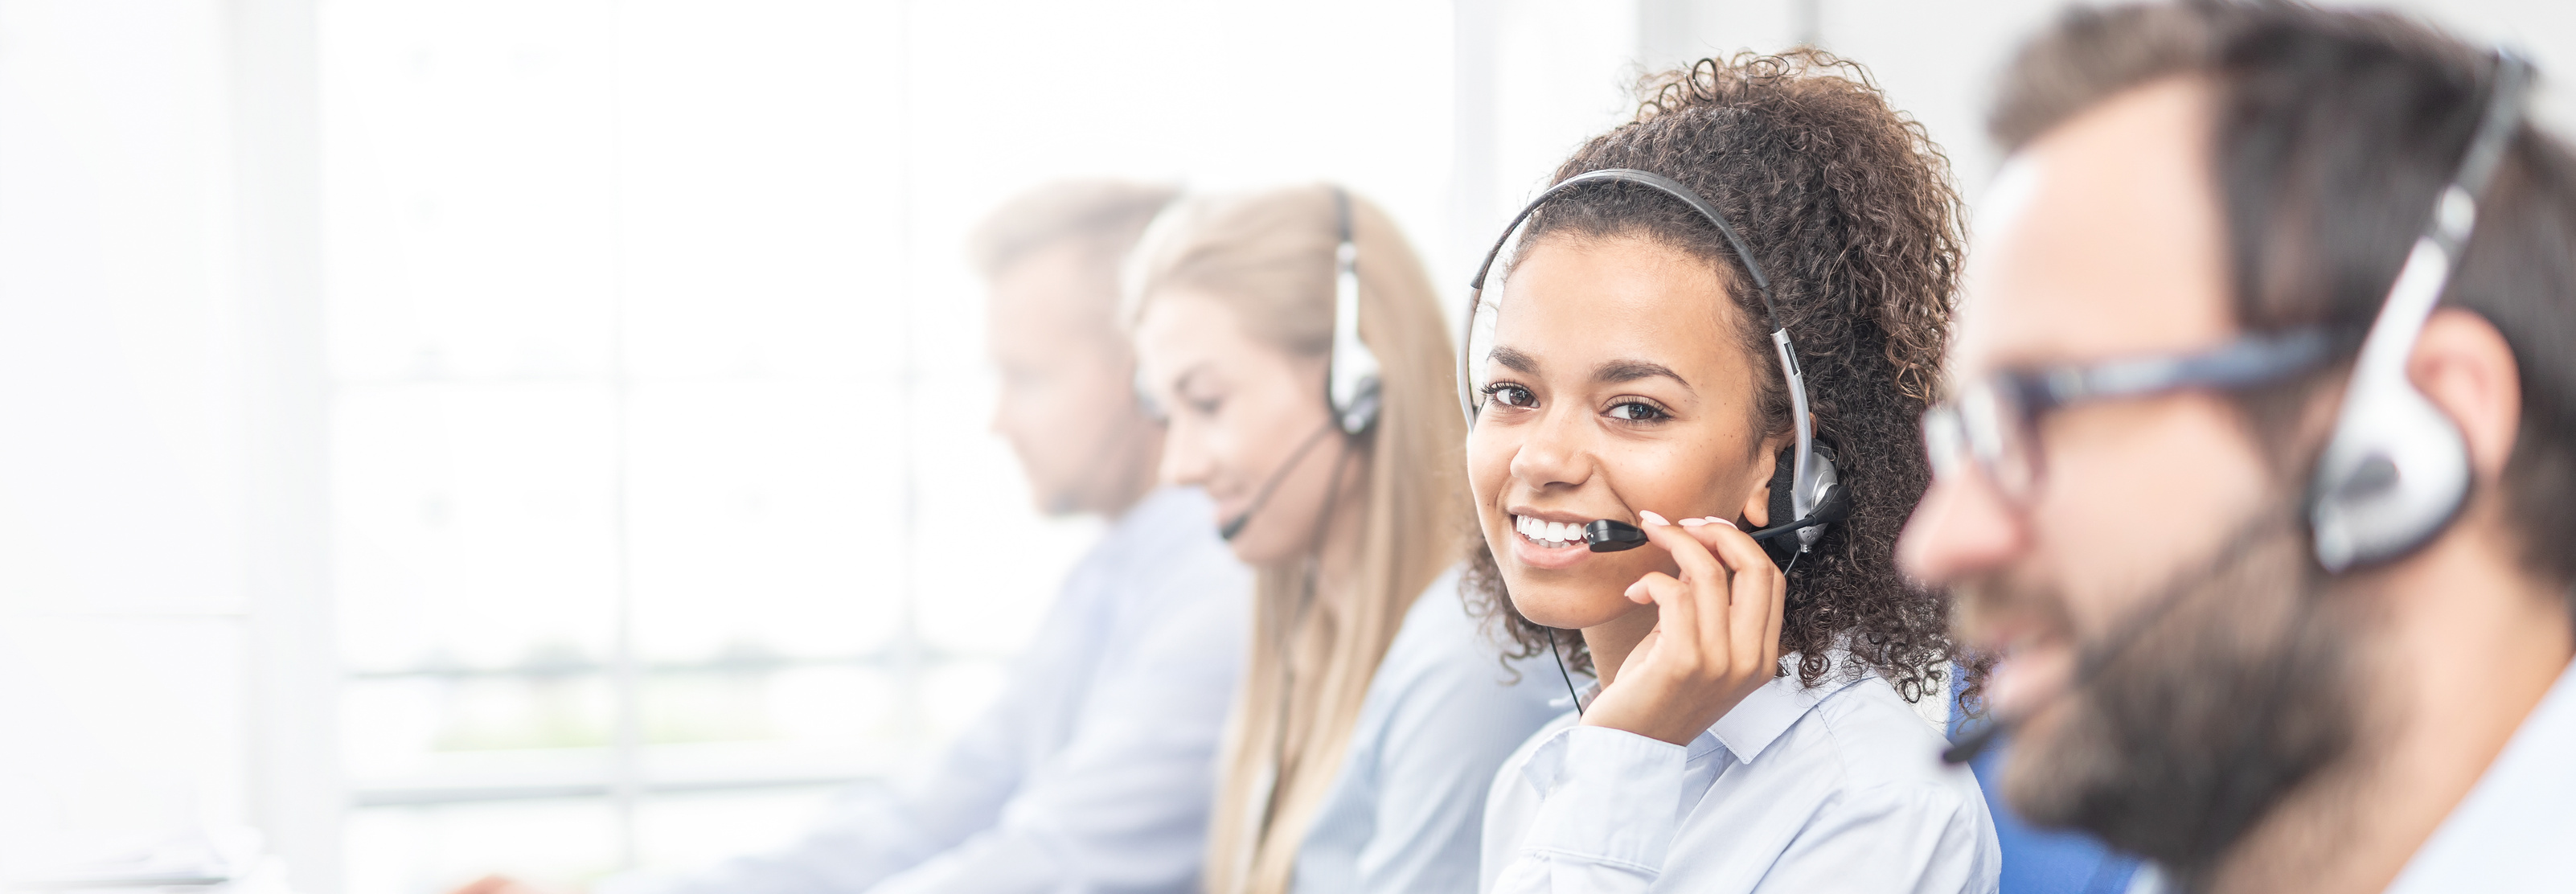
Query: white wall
[{"x": 148, "y": 453}]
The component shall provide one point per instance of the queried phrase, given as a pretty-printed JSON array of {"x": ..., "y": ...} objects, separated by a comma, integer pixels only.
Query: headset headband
[
  {"x": 2396, "y": 469},
  {"x": 1813, "y": 481},
  {"x": 1351, "y": 382}
]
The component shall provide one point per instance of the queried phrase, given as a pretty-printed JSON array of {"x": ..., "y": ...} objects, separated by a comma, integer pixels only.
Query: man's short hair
[
  {"x": 2333, "y": 132},
  {"x": 1101, "y": 217}
]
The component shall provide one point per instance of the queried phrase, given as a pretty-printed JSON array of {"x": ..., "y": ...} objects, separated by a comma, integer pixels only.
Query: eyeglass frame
[{"x": 1973, "y": 425}]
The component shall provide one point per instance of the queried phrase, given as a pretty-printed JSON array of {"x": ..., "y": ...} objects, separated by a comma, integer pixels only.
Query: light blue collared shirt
[
  {"x": 1440, "y": 715},
  {"x": 1092, "y": 771},
  {"x": 1834, "y": 788},
  {"x": 2516, "y": 831}
]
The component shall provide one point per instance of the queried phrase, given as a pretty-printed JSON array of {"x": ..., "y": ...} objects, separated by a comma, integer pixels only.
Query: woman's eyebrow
[
  {"x": 1515, "y": 360},
  {"x": 1617, "y": 371}
]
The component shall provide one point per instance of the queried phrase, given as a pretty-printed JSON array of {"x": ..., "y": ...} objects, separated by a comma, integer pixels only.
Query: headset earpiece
[
  {"x": 2396, "y": 470},
  {"x": 1806, "y": 492},
  {"x": 1832, "y": 505},
  {"x": 1782, "y": 473},
  {"x": 1351, "y": 375}
]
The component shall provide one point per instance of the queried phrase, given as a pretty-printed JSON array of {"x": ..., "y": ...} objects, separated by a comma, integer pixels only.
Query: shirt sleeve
[
  {"x": 871, "y": 832},
  {"x": 1609, "y": 806},
  {"x": 1123, "y": 807},
  {"x": 1919, "y": 838}
]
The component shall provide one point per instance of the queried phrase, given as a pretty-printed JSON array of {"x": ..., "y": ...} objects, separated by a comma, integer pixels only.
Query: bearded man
[{"x": 2260, "y": 471}]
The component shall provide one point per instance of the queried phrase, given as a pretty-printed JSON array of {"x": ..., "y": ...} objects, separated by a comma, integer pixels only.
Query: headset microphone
[
  {"x": 1235, "y": 525},
  {"x": 1610, "y": 536},
  {"x": 2090, "y": 663},
  {"x": 2396, "y": 469},
  {"x": 1815, "y": 496},
  {"x": 1350, "y": 376}
]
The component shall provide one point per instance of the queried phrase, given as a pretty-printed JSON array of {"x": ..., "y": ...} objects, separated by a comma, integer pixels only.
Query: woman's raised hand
[{"x": 1716, "y": 636}]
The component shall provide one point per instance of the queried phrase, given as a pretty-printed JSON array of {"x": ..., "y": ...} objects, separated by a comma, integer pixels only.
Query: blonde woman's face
[
  {"x": 1238, "y": 409},
  {"x": 1617, "y": 384}
]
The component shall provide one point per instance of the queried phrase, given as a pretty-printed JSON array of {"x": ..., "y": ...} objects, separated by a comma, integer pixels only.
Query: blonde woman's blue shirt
[{"x": 1405, "y": 811}]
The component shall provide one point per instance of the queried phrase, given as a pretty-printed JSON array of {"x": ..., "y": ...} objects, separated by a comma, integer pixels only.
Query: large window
[
  {"x": 642, "y": 401},
  {"x": 664, "y": 500}
]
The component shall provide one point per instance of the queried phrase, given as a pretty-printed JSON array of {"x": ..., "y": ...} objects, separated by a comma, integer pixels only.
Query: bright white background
[{"x": 534, "y": 435}]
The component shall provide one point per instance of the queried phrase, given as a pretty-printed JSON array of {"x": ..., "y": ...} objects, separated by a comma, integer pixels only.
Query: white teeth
[{"x": 1548, "y": 532}]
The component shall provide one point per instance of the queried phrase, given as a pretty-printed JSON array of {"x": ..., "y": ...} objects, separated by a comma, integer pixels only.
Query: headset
[
  {"x": 2396, "y": 469},
  {"x": 1350, "y": 374},
  {"x": 1816, "y": 497},
  {"x": 2395, "y": 472}
]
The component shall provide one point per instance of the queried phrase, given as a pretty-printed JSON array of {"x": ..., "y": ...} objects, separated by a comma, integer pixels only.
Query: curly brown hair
[{"x": 1848, "y": 206}]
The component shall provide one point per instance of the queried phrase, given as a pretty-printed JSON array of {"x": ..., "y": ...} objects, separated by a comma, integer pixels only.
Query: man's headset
[
  {"x": 2396, "y": 470},
  {"x": 1815, "y": 496},
  {"x": 1350, "y": 375}
]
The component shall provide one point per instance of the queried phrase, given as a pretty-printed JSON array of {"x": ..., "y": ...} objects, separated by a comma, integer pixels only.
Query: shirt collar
[
  {"x": 2512, "y": 830},
  {"x": 1757, "y": 721}
]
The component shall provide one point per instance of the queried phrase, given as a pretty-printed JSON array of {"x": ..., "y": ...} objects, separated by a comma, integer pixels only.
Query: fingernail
[
  {"x": 1651, "y": 518},
  {"x": 1714, "y": 520},
  {"x": 1693, "y": 522}
]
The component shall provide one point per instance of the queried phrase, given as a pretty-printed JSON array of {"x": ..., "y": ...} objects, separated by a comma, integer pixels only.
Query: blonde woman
[{"x": 1373, "y": 713}]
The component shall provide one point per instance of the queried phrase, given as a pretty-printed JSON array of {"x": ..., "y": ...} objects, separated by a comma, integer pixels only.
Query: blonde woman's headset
[{"x": 1350, "y": 375}]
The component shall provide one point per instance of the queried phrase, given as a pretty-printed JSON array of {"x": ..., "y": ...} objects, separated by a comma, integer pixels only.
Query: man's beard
[{"x": 2225, "y": 690}]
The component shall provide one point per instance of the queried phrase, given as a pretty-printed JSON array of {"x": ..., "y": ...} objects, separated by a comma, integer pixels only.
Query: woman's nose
[
  {"x": 1186, "y": 460},
  {"x": 1551, "y": 453}
]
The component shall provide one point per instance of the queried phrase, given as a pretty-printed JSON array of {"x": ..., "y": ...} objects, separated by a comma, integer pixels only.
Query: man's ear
[{"x": 2464, "y": 366}]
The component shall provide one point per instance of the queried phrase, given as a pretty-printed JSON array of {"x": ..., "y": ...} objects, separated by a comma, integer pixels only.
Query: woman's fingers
[
  {"x": 1716, "y": 636},
  {"x": 1701, "y": 614},
  {"x": 1756, "y": 591},
  {"x": 1760, "y": 600}
]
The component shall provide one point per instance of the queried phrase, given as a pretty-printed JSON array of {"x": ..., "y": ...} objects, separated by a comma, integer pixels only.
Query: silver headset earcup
[
  {"x": 2397, "y": 469},
  {"x": 1829, "y": 504},
  {"x": 1351, "y": 375},
  {"x": 1826, "y": 488},
  {"x": 2394, "y": 474}
]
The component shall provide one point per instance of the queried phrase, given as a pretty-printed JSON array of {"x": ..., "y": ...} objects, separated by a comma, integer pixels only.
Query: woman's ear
[{"x": 1757, "y": 505}]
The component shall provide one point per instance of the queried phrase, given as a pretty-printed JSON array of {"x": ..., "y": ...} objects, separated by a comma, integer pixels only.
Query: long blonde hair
[{"x": 1268, "y": 257}]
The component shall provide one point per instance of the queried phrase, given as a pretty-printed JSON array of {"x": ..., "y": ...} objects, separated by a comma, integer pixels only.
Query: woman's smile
[{"x": 1550, "y": 540}]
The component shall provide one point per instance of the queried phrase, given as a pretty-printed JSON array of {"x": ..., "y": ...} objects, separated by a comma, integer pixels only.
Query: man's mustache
[{"x": 1997, "y": 600}]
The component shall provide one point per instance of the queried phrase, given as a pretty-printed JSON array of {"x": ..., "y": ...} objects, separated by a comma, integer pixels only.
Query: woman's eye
[
  {"x": 1633, "y": 411},
  {"x": 1510, "y": 395}
]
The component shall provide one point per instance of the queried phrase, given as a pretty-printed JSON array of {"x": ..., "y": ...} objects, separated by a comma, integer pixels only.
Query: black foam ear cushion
[{"x": 1781, "y": 548}]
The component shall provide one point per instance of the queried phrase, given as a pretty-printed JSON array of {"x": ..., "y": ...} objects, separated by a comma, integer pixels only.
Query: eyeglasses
[{"x": 1993, "y": 422}]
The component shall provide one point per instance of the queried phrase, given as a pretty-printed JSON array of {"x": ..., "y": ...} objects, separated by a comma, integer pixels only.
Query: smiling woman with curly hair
[{"x": 1751, "y": 729}]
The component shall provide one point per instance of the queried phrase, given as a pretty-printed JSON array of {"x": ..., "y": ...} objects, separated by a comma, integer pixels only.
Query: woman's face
[
  {"x": 1238, "y": 410},
  {"x": 1617, "y": 384}
]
